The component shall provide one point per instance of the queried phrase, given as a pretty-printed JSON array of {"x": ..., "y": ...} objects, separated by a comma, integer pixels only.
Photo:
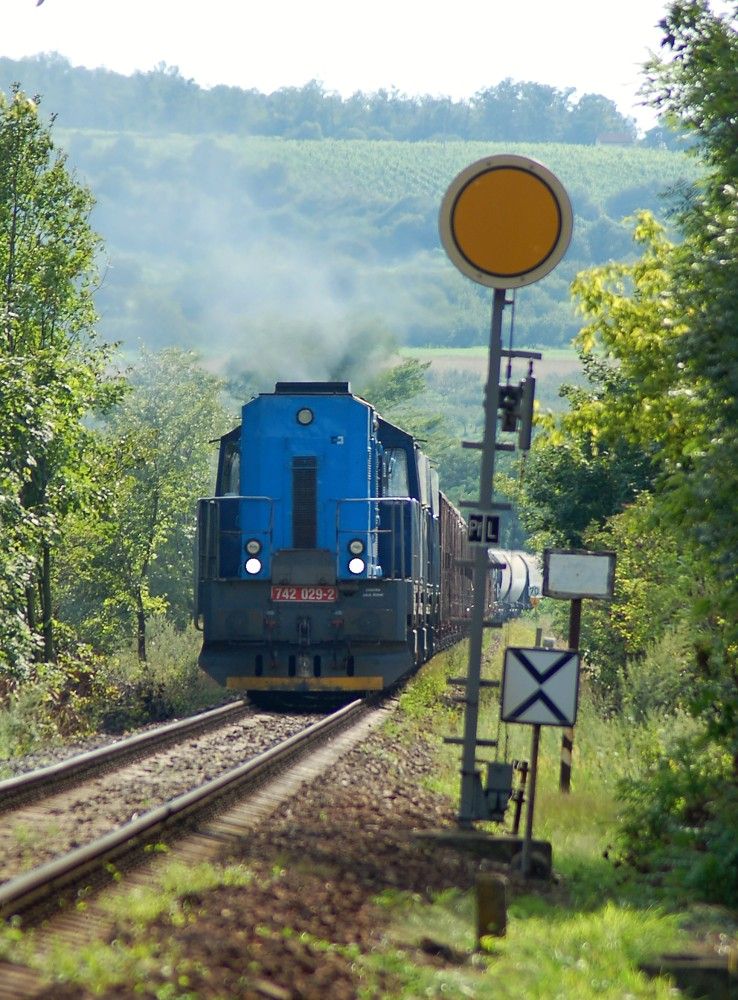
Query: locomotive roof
[{"x": 312, "y": 388}]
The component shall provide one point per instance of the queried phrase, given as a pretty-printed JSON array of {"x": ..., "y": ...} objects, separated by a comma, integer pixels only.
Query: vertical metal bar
[
  {"x": 215, "y": 536},
  {"x": 525, "y": 861},
  {"x": 567, "y": 739},
  {"x": 469, "y": 775},
  {"x": 523, "y": 768}
]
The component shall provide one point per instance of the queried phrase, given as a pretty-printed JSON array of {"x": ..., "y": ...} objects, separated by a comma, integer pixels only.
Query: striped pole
[{"x": 567, "y": 740}]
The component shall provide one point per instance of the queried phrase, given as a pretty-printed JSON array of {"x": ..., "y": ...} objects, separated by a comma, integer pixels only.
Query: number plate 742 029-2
[{"x": 305, "y": 594}]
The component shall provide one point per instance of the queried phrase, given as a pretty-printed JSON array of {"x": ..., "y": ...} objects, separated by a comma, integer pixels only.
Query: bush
[
  {"x": 658, "y": 682},
  {"x": 680, "y": 819},
  {"x": 83, "y": 693},
  {"x": 168, "y": 684},
  {"x": 57, "y": 701}
]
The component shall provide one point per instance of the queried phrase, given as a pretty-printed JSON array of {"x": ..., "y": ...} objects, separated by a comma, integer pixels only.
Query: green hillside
[{"x": 243, "y": 246}]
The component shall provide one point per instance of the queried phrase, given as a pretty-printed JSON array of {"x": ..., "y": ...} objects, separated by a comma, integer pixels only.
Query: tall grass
[
  {"x": 585, "y": 936},
  {"x": 76, "y": 698}
]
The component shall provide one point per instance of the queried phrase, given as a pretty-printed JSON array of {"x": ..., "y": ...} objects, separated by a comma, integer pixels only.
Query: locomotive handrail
[
  {"x": 396, "y": 529},
  {"x": 211, "y": 531}
]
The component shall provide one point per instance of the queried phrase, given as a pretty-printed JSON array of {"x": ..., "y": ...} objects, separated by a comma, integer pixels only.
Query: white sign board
[
  {"x": 540, "y": 686},
  {"x": 576, "y": 573}
]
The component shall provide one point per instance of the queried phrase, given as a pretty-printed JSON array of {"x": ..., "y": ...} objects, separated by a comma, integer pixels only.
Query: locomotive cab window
[
  {"x": 230, "y": 484},
  {"x": 396, "y": 482}
]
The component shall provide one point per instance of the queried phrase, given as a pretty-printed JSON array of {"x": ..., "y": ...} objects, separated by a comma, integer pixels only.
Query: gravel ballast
[
  {"x": 298, "y": 931},
  {"x": 34, "y": 834}
]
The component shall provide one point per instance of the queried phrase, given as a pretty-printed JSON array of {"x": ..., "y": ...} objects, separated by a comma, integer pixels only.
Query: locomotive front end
[{"x": 305, "y": 578}]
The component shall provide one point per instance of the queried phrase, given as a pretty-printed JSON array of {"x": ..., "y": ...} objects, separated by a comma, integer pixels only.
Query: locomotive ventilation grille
[{"x": 304, "y": 503}]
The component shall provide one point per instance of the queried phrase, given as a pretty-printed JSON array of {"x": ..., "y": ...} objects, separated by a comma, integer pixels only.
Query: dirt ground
[{"x": 318, "y": 866}]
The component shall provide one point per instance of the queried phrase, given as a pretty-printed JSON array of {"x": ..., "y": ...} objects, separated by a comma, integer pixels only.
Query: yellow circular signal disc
[{"x": 506, "y": 221}]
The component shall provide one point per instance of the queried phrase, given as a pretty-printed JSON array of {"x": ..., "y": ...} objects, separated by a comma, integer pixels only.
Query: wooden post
[
  {"x": 567, "y": 739},
  {"x": 491, "y": 893},
  {"x": 535, "y": 743}
]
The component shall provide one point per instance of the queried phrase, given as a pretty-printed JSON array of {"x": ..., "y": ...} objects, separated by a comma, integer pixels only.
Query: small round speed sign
[{"x": 506, "y": 221}]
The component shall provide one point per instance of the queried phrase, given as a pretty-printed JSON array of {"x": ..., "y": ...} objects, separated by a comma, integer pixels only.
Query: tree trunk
[
  {"x": 140, "y": 626},
  {"x": 47, "y": 623},
  {"x": 31, "y": 607}
]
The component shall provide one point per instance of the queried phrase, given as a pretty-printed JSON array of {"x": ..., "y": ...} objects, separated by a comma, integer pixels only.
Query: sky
[{"x": 417, "y": 47}]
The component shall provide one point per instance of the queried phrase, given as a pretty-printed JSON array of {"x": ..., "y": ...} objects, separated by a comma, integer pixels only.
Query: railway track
[
  {"x": 105, "y": 790},
  {"x": 31, "y": 893},
  {"x": 38, "y": 783}
]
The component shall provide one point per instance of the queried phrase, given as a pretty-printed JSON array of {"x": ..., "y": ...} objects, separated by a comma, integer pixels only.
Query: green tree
[
  {"x": 49, "y": 355},
  {"x": 397, "y": 385},
  {"x": 666, "y": 325},
  {"x": 698, "y": 88},
  {"x": 135, "y": 560}
]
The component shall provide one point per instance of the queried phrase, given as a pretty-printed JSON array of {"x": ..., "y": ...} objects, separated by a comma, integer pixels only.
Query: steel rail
[
  {"x": 24, "y": 891},
  {"x": 33, "y": 784}
]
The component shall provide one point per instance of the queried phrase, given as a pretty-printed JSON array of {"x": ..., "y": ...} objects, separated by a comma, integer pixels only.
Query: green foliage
[
  {"x": 170, "y": 682},
  {"x": 163, "y": 99},
  {"x": 396, "y": 386},
  {"x": 287, "y": 242},
  {"x": 680, "y": 819},
  {"x": 83, "y": 693},
  {"x": 133, "y": 560},
  {"x": 57, "y": 701},
  {"x": 656, "y": 584},
  {"x": 53, "y": 373},
  {"x": 661, "y": 333}
]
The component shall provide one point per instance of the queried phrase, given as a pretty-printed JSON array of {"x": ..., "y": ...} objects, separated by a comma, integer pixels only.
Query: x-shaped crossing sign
[{"x": 540, "y": 686}]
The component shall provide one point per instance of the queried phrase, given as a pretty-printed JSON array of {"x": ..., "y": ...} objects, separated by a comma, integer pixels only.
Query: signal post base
[{"x": 504, "y": 850}]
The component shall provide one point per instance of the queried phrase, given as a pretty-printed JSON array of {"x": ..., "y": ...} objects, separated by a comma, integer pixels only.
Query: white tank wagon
[{"x": 518, "y": 577}]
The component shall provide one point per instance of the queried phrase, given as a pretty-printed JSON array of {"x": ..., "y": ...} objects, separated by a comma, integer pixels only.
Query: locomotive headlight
[
  {"x": 253, "y": 566},
  {"x": 356, "y": 546},
  {"x": 253, "y": 546},
  {"x": 356, "y": 566},
  {"x": 305, "y": 416}
]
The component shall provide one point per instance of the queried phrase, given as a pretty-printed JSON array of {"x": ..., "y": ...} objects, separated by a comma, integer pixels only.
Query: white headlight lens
[
  {"x": 253, "y": 566},
  {"x": 253, "y": 546},
  {"x": 357, "y": 565},
  {"x": 356, "y": 547},
  {"x": 305, "y": 416}
]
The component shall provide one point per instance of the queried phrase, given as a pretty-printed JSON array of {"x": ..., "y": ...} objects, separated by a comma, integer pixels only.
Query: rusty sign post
[
  {"x": 573, "y": 574},
  {"x": 505, "y": 221}
]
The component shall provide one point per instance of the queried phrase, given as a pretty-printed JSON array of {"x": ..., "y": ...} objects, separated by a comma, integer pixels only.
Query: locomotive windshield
[
  {"x": 396, "y": 482},
  {"x": 231, "y": 481}
]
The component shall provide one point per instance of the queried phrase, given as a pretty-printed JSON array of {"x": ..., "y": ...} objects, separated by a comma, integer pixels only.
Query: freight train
[{"x": 328, "y": 559}]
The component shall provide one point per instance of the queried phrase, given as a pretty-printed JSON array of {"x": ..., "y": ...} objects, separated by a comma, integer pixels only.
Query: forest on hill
[
  {"x": 214, "y": 235},
  {"x": 164, "y": 100}
]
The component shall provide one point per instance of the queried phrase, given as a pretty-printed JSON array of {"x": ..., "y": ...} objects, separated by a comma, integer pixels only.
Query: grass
[
  {"x": 549, "y": 952},
  {"x": 582, "y": 937},
  {"x": 132, "y": 957},
  {"x": 585, "y": 937}
]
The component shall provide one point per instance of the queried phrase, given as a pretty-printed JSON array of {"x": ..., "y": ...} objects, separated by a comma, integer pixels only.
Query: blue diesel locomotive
[{"x": 328, "y": 560}]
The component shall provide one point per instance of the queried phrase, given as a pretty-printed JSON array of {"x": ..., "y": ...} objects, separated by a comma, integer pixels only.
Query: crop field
[{"x": 557, "y": 364}]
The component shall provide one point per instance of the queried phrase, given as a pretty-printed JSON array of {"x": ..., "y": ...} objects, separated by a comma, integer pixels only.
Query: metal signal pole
[
  {"x": 505, "y": 221},
  {"x": 471, "y": 807}
]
